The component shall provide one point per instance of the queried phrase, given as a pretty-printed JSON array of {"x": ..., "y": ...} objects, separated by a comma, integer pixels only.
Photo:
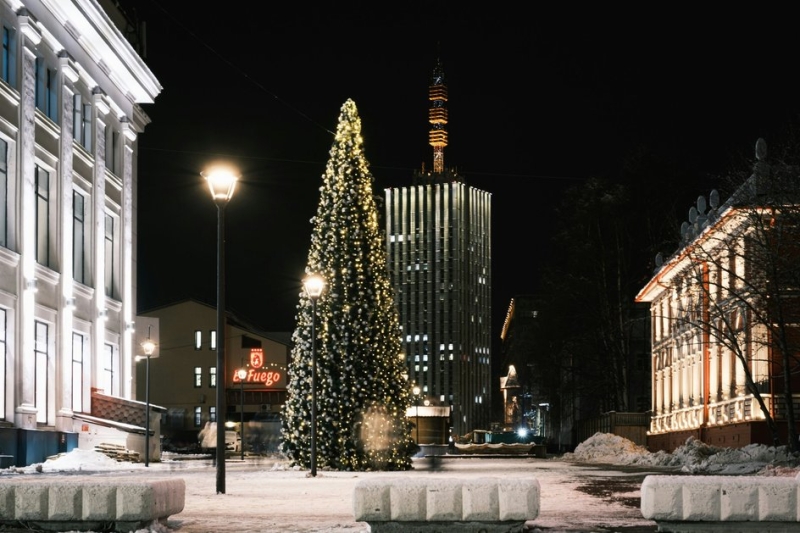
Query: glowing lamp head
[
  {"x": 416, "y": 391},
  {"x": 314, "y": 285},
  {"x": 149, "y": 347},
  {"x": 221, "y": 182}
]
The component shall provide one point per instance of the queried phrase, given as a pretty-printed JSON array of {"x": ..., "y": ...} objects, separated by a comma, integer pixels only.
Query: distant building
[
  {"x": 70, "y": 89},
  {"x": 439, "y": 249},
  {"x": 183, "y": 376}
]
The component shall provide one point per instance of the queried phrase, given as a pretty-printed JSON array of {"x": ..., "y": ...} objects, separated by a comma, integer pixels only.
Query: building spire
[{"x": 437, "y": 116}]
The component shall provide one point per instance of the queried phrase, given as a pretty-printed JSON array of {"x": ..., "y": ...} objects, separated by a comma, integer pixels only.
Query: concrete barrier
[
  {"x": 87, "y": 504},
  {"x": 436, "y": 504},
  {"x": 721, "y": 503}
]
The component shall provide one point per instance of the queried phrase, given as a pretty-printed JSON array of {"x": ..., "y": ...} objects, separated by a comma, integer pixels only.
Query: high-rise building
[{"x": 439, "y": 247}]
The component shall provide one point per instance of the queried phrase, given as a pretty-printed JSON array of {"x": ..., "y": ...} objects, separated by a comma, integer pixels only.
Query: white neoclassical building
[
  {"x": 71, "y": 86},
  {"x": 724, "y": 318}
]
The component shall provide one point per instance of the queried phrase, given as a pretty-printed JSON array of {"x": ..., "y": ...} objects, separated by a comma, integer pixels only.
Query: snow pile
[{"x": 694, "y": 457}]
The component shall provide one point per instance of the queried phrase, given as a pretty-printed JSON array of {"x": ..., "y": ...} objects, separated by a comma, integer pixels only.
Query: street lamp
[
  {"x": 221, "y": 182},
  {"x": 149, "y": 347},
  {"x": 314, "y": 284},
  {"x": 416, "y": 391},
  {"x": 242, "y": 373}
]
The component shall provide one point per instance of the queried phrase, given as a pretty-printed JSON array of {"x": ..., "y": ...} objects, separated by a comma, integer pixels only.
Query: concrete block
[
  {"x": 701, "y": 499},
  {"x": 444, "y": 500},
  {"x": 371, "y": 500},
  {"x": 89, "y": 502},
  {"x": 734, "y": 500},
  {"x": 408, "y": 501},
  {"x": 480, "y": 500},
  {"x": 518, "y": 499}
]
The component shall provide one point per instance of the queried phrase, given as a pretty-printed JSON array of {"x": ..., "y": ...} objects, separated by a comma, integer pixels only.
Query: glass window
[
  {"x": 82, "y": 121},
  {"x": 41, "y": 350},
  {"x": 8, "y": 68},
  {"x": 198, "y": 416},
  {"x": 112, "y": 150},
  {"x": 78, "y": 237},
  {"x": 198, "y": 340},
  {"x": 198, "y": 376},
  {"x": 110, "y": 366},
  {"x": 78, "y": 348},
  {"x": 42, "y": 178},
  {"x": 213, "y": 336},
  {"x": 212, "y": 414},
  {"x": 46, "y": 90},
  {"x": 212, "y": 376}
]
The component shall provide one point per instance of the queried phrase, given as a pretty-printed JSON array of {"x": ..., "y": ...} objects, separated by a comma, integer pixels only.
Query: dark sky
[{"x": 538, "y": 102}]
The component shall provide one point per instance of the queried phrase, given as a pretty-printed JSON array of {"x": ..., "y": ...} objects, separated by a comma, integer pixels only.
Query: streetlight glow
[
  {"x": 221, "y": 183},
  {"x": 314, "y": 284}
]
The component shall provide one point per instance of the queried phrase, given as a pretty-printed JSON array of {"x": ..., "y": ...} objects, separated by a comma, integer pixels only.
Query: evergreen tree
[{"x": 362, "y": 393}]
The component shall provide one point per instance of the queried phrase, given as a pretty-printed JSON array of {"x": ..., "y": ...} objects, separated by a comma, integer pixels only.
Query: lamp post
[
  {"x": 221, "y": 182},
  {"x": 242, "y": 373},
  {"x": 149, "y": 347},
  {"x": 416, "y": 391},
  {"x": 313, "y": 285}
]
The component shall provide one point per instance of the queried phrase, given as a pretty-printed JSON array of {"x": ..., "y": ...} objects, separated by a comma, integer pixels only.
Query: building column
[
  {"x": 63, "y": 396},
  {"x": 101, "y": 109},
  {"x": 25, "y": 367}
]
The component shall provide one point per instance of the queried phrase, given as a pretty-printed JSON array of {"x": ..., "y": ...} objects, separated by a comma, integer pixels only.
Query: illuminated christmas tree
[{"x": 361, "y": 387}]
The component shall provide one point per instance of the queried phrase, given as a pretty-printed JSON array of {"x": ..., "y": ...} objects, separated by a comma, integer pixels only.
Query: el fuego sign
[
  {"x": 256, "y": 374},
  {"x": 259, "y": 375}
]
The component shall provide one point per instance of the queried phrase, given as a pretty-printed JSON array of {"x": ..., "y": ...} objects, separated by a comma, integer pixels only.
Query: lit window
[
  {"x": 212, "y": 414},
  {"x": 198, "y": 339},
  {"x": 213, "y": 336},
  {"x": 198, "y": 416},
  {"x": 198, "y": 376},
  {"x": 212, "y": 376}
]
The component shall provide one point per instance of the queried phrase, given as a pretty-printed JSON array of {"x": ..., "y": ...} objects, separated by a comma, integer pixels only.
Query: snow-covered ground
[{"x": 264, "y": 494}]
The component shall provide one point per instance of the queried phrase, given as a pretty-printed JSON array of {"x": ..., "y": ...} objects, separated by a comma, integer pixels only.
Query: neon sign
[{"x": 259, "y": 375}]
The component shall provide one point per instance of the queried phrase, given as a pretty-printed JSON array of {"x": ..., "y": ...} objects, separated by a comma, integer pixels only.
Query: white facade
[{"x": 70, "y": 89}]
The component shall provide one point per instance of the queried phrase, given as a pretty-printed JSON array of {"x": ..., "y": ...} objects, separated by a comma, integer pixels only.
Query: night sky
[{"x": 538, "y": 102}]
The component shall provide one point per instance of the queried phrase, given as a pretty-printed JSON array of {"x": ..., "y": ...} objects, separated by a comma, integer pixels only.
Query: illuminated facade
[
  {"x": 439, "y": 248},
  {"x": 70, "y": 89},
  {"x": 723, "y": 312}
]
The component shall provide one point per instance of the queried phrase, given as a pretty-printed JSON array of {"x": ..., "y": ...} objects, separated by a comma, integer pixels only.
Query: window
[
  {"x": 110, "y": 365},
  {"x": 41, "y": 352},
  {"x": 82, "y": 121},
  {"x": 46, "y": 90},
  {"x": 213, "y": 336},
  {"x": 198, "y": 416},
  {"x": 8, "y": 68},
  {"x": 212, "y": 376},
  {"x": 212, "y": 414},
  {"x": 4, "y": 193},
  {"x": 110, "y": 256},
  {"x": 112, "y": 150},
  {"x": 42, "y": 185},
  {"x": 78, "y": 237},
  {"x": 198, "y": 376},
  {"x": 78, "y": 349},
  {"x": 3, "y": 355},
  {"x": 198, "y": 340}
]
